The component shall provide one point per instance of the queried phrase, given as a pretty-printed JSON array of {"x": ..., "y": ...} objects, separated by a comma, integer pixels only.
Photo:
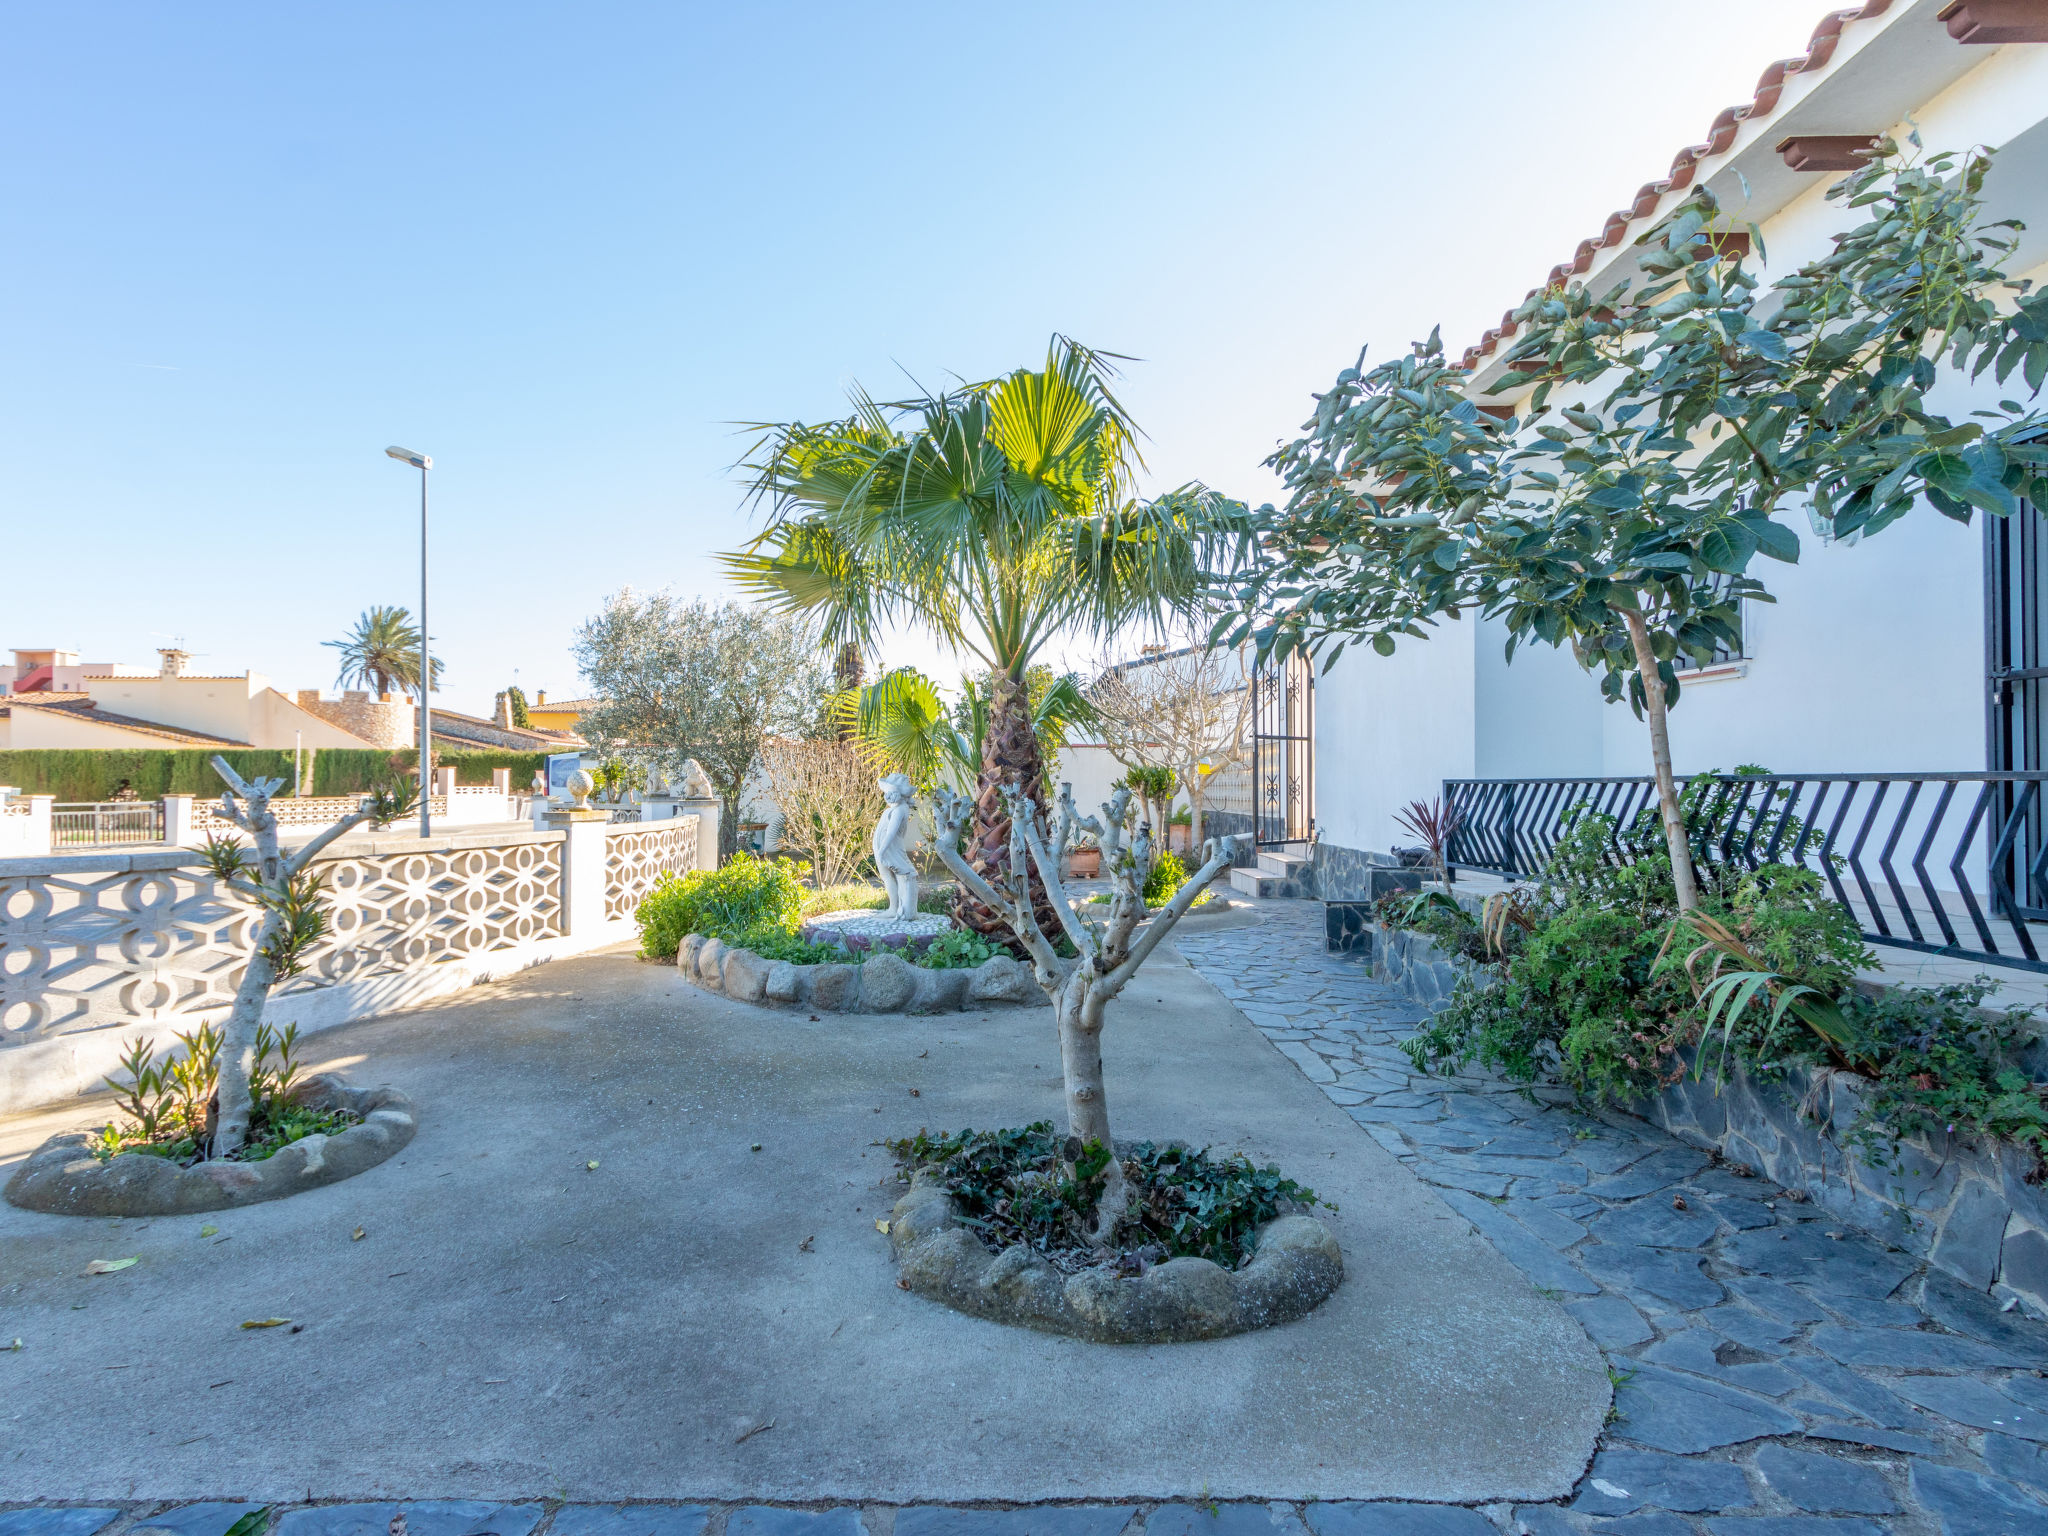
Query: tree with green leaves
[
  {"x": 1675, "y": 419},
  {"x": 714, "y": 682},
  {"x": 382, "y": 653},
  {"x": 998, "y": 515}
]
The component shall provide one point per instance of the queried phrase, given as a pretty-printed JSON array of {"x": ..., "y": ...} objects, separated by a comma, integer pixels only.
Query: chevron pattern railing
[{"x": 1945, "y": 863}]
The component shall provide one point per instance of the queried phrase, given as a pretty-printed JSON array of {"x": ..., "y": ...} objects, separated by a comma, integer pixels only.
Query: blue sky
[{"x": 562, "y": 249}]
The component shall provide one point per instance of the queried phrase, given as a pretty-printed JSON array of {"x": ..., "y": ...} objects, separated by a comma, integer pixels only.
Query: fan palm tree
[
  {"x": 998, "y": 515},
  {"x": 383, "y": 652}
]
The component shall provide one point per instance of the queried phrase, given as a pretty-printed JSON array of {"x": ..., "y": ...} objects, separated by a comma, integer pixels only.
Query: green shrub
[
  {"x": 746, "y": 895},
  {"x": 779, "y": 944},
  {"x": 1017, "y": 1186},
  {"x": 1950, "y": 1068},
  {"x": 83, "y": 774},
  {"x": 959, "y": 949},
  {"x": 1168, "y": 875}
]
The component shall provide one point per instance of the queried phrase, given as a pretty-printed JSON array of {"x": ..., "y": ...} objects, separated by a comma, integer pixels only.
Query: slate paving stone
[
  {"x": 1845, "y": 1267},
  {"x": 2029, "y": 1390},
  {"x": 55, "y": 1522},
  {"x": 1621, "y": 1482},
  {"x": 1874, "y": 1314},
  {"x": 1654, "y": 1524},
  {"x": 1674, "y": 1277},
  {"x": 1824, "y": 1484},
  {"x": 1078, "y": 1520},
  {"x": 1901, "y": 1350},
  {"x": 1532, "y": 1257},
  {"x": 1762, "y": 1333},
  {"x": 1708, "y": 1354},
  {"x": 1404, "y": 1117},
  {"x": 1243, "y": 1519},
  {"x": 1968, "y": 1401},
  {"x": 767, "y": 1520},
  {"x": 1686, "y": 1415},
  {"x": 1541, "y": 1520},
  {"x": 1388, "y": 1519},
  {"x": 1743, "y": 1215},
  {"x": 439, "y": 1517},
  {"x": 1859, "y": 1393},
  {"x": 1953, "y": 1305},
  {"x": 630, "y": 1520},
  {"x": 193, "y": 1520},
  {"x": 1658, "y": 1171},
  {"x": 1974, "y": 1503},
  {"x": 1610, "y": 1321},
  {"x": 1576, "y": 1206},
  {"x": 1492, "y": 1185},
  {"x": 1780, "y": 1301},
  {"x": 1655, "y": 1224},
  {"x": 1607, "y": 1152},
  {"x": 2023, "y": 1461},
  {"x": 1876, "y": 1439},
  {"x": 1795, "y": 1525},
  {"x": 1558, "y": 1230}
]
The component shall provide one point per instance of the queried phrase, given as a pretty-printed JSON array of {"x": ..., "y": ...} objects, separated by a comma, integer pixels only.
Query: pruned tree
[
  {"x": 1108, "y": 952},
  {"x": 829, "y": 801},
  {"x": 288, "y": 893},
  {"x": 714, "y": 682},
  {"x": 1188, "y": 713},
  {"x": 1674, "y": 420}
]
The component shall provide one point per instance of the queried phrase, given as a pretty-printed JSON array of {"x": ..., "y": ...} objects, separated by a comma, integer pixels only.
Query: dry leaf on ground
[
  {"x": 111, "y": 1266},
  {"x": 266, "y": 1322}
]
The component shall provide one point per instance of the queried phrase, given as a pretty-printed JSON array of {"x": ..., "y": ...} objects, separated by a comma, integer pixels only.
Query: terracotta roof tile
[{"x": 1686, "y": 168}]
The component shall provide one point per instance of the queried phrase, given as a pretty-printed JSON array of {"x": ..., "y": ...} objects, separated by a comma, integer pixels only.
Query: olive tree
[
  {"x": 1674, "y": 421},
  {"x": 714, "y": 682}
]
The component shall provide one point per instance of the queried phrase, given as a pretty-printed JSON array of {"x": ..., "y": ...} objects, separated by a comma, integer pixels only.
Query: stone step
[
  {"x": 1280, "y": 864},
  {"x": 1260, "y": 885}
]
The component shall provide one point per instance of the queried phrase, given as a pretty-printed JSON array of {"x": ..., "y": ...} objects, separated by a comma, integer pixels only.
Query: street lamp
[{"x": 422, "y": 463}]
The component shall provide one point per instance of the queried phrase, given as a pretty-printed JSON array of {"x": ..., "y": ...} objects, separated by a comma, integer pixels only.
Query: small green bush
[
  {"x": 745, "y": 895},
  {"x": 1019, "y": 1186},
  {"x": 1950, "y": 1068},
  {"x": 1168, "y": 875}
]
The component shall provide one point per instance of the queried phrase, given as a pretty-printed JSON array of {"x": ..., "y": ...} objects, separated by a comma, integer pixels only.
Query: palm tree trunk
[{"x": 1009, "y": 755}]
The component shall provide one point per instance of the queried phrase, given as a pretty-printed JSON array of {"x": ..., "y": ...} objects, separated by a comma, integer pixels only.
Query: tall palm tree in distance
[
  {"x": 998, "y": 515},
  {"x": 382, "y": 653}
]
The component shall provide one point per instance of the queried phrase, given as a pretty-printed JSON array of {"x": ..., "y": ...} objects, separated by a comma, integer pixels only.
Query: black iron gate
[
  {"x": 1283, "y": 752},
  {"x": 2016, "y": 675}
]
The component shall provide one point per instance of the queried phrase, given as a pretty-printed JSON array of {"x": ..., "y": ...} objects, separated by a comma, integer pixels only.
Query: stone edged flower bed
[
  {"x": 1297, "y": 1265},
  {"x": 883, "y": 984},
  {"x": 63, "y": 1178}
]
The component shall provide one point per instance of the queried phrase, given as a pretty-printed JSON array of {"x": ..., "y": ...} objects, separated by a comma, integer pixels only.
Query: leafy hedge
[{"x": 78, "y": 774}]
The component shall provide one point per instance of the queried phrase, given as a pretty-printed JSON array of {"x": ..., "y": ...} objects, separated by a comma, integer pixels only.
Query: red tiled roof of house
[{"x": 1685, "y": 170}]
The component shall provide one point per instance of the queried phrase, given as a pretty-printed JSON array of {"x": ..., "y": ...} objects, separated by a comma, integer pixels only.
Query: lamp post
[{"x": 422, "y": 463}]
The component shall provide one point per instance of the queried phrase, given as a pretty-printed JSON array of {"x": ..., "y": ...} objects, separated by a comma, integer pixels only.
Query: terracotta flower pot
[{"x": 1084, "y": 863}]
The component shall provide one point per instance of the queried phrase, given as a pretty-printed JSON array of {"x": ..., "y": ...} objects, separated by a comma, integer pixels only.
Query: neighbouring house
[
  {"x": 456, "y": 730},
  {"x": 560, "y": 715},
  {"x": 54, "y": 700},
  {"x": 1922, "y": 652}
]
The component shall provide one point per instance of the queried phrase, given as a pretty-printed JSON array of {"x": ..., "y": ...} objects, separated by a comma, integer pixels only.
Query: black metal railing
[{"x": 1945, "y": 863}]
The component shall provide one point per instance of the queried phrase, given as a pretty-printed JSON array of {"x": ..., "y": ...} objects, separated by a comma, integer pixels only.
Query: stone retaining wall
[
  {"x": 1964, "y": 1208},
  {"x": 885, "y": 983}
]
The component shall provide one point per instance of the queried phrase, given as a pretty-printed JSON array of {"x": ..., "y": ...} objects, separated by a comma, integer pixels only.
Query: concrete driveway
[{"x": 698, "y": 1318}]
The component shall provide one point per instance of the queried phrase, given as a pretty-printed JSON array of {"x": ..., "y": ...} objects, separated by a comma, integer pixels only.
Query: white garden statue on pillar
[{"x": 892, "y": 859}]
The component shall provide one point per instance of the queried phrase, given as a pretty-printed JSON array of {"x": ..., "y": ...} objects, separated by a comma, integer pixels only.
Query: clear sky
[{"x": 563, "y": 248}]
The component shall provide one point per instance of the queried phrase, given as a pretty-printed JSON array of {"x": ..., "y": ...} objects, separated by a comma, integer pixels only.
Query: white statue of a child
[{"x": 892, "y": 859}]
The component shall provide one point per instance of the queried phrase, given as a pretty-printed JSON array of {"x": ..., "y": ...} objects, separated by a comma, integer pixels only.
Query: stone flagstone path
[{"x": 1777, "y": 1374}]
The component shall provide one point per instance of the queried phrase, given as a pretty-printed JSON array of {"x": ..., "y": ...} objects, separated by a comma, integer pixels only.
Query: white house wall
[
  {"x": 1390, "y": 729},
  {"x": 1872, "y": 659}
]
